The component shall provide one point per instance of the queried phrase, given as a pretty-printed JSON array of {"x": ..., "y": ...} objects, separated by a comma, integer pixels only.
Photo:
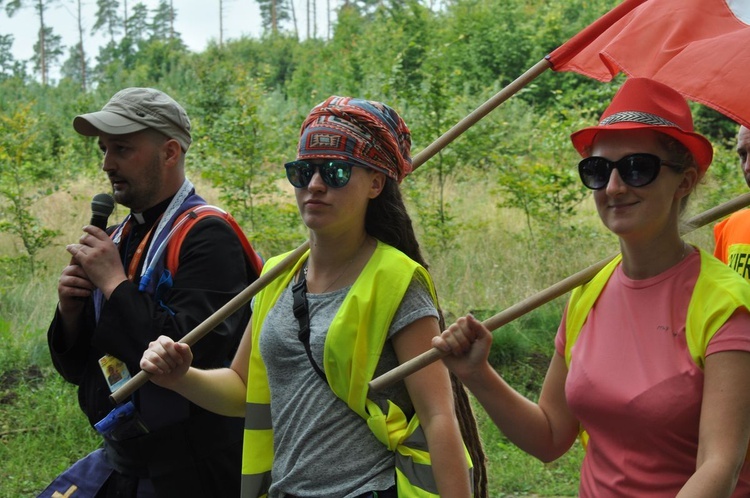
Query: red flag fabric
[{"x": 698, "y": 47}]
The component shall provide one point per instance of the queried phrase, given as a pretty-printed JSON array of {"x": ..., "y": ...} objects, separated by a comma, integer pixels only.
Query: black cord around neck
[{"x": 302, "y": 313}]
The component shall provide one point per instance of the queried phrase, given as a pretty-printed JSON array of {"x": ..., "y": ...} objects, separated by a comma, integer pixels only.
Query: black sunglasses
[
  {"x": 636, "y": 170},
  {"x": 335, "y": 173}
]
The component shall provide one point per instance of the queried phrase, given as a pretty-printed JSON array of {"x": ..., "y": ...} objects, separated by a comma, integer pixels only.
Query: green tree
[
  {"x": 419, "y": 77},
  {"x": 365, "y": 5},
  {"x": 107, "y": 18},
  {"x": 136, "y": 26},
  {"x": 161, "y": 26},
  {"x": 7, "y": 62},
  {"x": 23, "y": 173},
  {"x": 76, "y": 67},
  {"x": 343, "y": 56},
  {"x": 537, "y": 171},
  {"x": 116, "y": 59},
  {"x": 111, "y": 60},
  {"x": 487, "y": 42},
  {"x": 45, "y": 50},
  {"x": 158, "y": 60},
  {"x": 414, "y": 26},
  {"x": 273, "y": 13},
  {"x": 79, "y": 63},
  {"x": 241, "y": 151},
  {"x": 716, "y": 126}
]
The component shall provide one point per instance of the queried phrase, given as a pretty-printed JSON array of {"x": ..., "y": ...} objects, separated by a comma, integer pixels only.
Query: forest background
[{"x": 500, "y": 212}]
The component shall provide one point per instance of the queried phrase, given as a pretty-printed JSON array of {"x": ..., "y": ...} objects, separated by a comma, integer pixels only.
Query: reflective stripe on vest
[
  {"x": 718, "y": 293},
  {"x": 358, "y": 328}
]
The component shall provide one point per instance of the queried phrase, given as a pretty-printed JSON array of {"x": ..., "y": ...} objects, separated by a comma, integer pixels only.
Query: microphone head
[{"x": 102, "y": 205}]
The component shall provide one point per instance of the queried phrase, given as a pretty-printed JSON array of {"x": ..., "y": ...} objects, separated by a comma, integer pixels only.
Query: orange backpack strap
[{"x": 193, "y": 216}]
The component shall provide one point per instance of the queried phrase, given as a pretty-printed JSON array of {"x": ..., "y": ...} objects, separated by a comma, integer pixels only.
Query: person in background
[
  {"x": 355, "y": 306},
  {"x": 122, "y": 291},
  {"x": 732, "y": 235},
  {"x": 652, "y": 358}
]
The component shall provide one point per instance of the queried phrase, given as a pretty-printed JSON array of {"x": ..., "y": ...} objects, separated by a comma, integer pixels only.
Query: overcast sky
[{"x": 197, "y": 22}]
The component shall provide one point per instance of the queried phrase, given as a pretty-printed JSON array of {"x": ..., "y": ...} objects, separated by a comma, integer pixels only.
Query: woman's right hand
[
  {"x": 468, "y": 341},
  {"x": 167, "y": 361}
]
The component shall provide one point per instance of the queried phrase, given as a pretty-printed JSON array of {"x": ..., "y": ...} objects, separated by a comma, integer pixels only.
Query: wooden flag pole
[{"x": 508, "y": 315}]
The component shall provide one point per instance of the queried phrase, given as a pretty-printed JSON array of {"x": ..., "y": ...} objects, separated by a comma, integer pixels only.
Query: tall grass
[{"x": 42, "y": 430}]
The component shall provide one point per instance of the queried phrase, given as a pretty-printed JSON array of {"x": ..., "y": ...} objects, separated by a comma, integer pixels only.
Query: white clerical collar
[{"x": 138, "y": 218}]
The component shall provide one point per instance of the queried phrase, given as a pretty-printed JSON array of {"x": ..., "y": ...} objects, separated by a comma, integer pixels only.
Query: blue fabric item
[
  {"x": 192, "y": 201},
  {"x": 98, "y": 298},
  {"x": 82, "y": 480},
  {"x": 165, "y": 283}
]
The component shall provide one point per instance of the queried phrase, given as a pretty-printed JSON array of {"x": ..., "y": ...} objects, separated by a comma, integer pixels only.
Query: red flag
[{"x": 701, "y": 48}]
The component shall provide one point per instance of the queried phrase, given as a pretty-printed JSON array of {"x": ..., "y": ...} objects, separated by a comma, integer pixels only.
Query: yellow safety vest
[
  {"x": 359, "y": 328},
  {"x": 718, "y": 292}
]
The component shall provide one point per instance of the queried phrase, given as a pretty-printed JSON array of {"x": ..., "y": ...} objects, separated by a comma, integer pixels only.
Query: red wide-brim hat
[{"x": 642, "y": 103}]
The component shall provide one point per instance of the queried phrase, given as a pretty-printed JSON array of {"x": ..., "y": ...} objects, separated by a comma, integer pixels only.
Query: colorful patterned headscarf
[{"x": 365, "y": 132}]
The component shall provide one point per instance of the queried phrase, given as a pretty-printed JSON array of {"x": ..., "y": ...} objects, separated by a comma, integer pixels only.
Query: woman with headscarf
[
  {"x": 355, "y": 306},
  {"x": 652, "y": 361}
]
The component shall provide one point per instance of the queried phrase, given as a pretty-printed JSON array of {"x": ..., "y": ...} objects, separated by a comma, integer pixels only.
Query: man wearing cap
[
  {"x": 109, "y": 311},
  {"x": 732, "y": 235}
]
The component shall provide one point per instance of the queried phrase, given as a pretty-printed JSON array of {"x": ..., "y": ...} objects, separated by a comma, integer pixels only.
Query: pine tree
[
  {"x": 80, "y": 52},
  {"x": 7, "y": 62},
  {"x": 162, "y": 22},
  {"x": 45, "y": 50},
  {"x": 137, "y": 26},
  {"x": 107, "y": 18},
  {"x": 272, "y": 14}
]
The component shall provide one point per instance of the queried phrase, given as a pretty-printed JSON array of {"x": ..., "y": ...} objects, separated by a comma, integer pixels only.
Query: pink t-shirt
[{"x": 635, "y": 389}]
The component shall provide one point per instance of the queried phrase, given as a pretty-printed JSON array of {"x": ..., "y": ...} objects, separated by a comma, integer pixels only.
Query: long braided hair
[{"x": 387, "y": 220}]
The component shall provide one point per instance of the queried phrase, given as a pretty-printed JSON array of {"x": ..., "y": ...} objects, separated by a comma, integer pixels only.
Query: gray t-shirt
[{"x": 322, "y": 447}]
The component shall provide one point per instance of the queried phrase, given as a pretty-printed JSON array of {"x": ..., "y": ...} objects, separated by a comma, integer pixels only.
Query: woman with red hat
[
  {"x": 355, "y": 306},
  {"x": 652, "y": 362}
]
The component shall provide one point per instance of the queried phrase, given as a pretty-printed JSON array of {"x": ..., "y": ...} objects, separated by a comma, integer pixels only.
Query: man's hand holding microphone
[{"x": 94, "y": 263}]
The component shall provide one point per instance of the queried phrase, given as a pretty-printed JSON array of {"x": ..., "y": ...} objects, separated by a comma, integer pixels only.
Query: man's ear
[
  {"x": 377, "y": 183},
  {"x": 172, "y": 152}
]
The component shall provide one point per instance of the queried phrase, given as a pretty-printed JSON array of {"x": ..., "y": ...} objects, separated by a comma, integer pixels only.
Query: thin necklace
[{"x": 346, "y": 267}]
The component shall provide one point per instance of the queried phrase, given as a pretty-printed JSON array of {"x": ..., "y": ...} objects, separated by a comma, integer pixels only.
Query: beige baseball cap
[{"x": 135, "y": 109}]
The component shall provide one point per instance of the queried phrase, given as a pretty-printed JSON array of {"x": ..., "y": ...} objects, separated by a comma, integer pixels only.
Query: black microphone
[{"x": 102, "y": 206}]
